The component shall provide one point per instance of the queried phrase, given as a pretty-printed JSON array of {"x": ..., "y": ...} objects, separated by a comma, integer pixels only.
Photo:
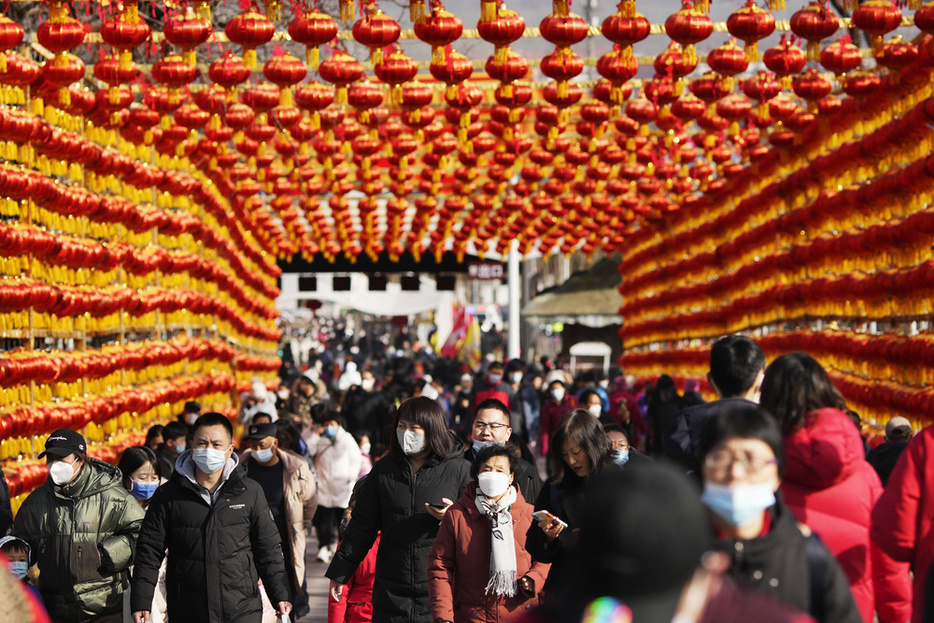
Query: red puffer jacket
[
  {"x": 830, "y": 487},
  {"x": 459, "y": 564},
  {"x": 903, "y": 520},
  {"x": 356, "y": 604}
]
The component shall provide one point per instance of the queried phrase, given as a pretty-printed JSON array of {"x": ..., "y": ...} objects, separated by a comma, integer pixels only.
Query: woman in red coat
[
  {"x": 828, "y": 484},
  {"x": 479, "y": 569},
  {"x": 558, "y": 404}
]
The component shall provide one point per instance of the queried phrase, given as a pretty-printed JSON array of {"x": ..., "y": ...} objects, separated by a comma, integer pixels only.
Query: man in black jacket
[
  {"x": 219, "y": 533},
  {"x": 884, "y": 456},
  {"x": 491, "y": 425},
  {"x": 737, "y": 367}
]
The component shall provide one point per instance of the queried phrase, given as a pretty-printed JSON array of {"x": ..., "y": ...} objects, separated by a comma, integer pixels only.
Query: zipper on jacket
[{"x": 412, "y": 551}]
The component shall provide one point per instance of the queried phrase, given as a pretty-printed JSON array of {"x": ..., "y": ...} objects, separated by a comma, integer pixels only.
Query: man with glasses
[{"x": 491, "y": 425}]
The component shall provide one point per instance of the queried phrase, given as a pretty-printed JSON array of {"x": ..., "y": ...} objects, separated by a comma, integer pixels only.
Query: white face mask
[
  {"x": 558, "y": 394},
  {"x": 209, "y": 460},
  {"x": 191, "y": 418},
  {"x": 411, "y": 442},
  {"x": 19, "y": 569},
  {"x": 264, "y": 455},
  {"x": 367, "y": 385},
  {"x": 365, "y": 449},
  {"x": 61, "y": 472},
  {"x": 283, "y": 394},
  {"x": 493, "y": 484},
  {"x": 595, "y": 410}
]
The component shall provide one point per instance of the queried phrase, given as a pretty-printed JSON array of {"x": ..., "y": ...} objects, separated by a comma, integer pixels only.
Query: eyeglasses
[
  {"x": 482, "y": 426},
  {"x": 619, "y": 445},
  {"x": 722, "y": 460}
]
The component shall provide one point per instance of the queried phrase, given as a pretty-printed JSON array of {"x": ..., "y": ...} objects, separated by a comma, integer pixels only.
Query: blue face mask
[
  {"x": 480, "y": 445},
  {"x": 330, "y": 432},
  {"x": 179, "y": 447},
  {"x": 740, "y": 504},
  {"x": 620, "y": 457},
  {"x": 143, "y": 490}
]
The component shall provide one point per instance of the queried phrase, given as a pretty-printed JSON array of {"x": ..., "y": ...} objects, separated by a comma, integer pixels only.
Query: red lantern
[
  {"x": 62, "y": 71},
  {"x": 11, "y": 35},
  {"x": 564, "y": 31},
  {"x": 728, "y": 60},
  {"x": 499, "y": 26},
  {"x": 811, "y": 86},
  {"x": 188, "y": 32},
  {"x": 896, "y": 56},
  {"x": 250, "y": 30},
  {"x": 312, "y": 29},
  {"x": 877, "y": 18},
  {"x": 841, "y": 57},
  {"x": 341, "y": 69},
  {"x": 376, "y": 30},
  {"x": 750, "y": 24},
  {"x": 228, "y": 72},
  {"x": 174, "y": 73},
  {"x": 394, "y": 70},
  {"x": 439, "y": 29},
  {"x": 455, "y": 69},
  {"x": 285, "y": 71},
  {"x": 814, "y": 23},
  {"x": 626, "y": 28},
  {"x": 672, "y": 63},
  {"x": 785, "y": 59},
  {"x": 688, "y": 27}
]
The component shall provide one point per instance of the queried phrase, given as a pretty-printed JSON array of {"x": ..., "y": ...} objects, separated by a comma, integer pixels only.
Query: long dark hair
[
  {"x": 135, "y": 457},
  {"x": 428, "y": 414},
  {"x": 794, "y": 386},
  {"x": 587, "y": 432}
]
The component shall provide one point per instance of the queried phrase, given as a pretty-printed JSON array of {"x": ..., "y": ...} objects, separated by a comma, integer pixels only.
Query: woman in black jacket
[
  {"x": 579, "y": 450},
  {"x": 742, "y": 462},
  {"x": 404, "y": 499}
]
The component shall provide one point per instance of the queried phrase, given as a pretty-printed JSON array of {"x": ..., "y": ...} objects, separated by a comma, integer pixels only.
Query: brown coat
[
  {"x": 301, "y": 501},
  {"x": 459, "y": 565}
]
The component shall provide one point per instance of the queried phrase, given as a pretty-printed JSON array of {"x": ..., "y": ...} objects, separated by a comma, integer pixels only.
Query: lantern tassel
[
  {"x": 312, "y": 57},
  {"x": 249, "y": 58},
  {"x": 417, "y": 11},
  {"x": 752, "y": 52},
  {"x": 813, "y": 48},
  {"x": 777, "y": 5},
  {"x": 488, "y": 10}
]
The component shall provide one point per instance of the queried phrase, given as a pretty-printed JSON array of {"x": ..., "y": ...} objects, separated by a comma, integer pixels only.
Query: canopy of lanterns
[{"x": 322, "y": 154}]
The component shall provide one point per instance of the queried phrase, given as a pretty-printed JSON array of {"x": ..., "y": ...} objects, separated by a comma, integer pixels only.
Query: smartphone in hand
[{"x": 543, "y": 516}]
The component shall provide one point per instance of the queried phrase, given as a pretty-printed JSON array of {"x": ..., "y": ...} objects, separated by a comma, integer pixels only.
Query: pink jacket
[
  {"x": 831, "y": 488},
  {"x": 903, "y": 520}
]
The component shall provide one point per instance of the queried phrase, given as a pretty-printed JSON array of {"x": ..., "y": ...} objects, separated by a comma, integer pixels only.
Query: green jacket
[{"x": 82, "y": 536}]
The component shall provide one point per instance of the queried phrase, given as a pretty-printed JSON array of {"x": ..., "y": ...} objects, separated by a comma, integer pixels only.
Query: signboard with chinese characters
[{"x": 485, "y": 271}]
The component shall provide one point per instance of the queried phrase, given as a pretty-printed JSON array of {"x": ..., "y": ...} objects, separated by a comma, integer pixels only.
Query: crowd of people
[{"x": 514, "y": 492}]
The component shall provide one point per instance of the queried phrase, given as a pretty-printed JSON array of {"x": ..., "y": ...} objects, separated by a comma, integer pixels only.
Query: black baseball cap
[
  {"x": 192, "y": 407},
  {"x": 64, "y": 442},
  {"x": 261, "y": 431}
]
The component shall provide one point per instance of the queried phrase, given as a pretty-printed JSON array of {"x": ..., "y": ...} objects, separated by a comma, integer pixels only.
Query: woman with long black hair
[{"x": 403, "y": 499}]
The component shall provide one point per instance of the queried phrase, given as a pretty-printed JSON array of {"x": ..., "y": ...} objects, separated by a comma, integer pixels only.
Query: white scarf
[{"x": 503, "y": 568}]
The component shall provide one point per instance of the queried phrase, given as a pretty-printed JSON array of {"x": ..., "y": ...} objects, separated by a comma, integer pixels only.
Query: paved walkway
[{"x": 316, "y": 583}]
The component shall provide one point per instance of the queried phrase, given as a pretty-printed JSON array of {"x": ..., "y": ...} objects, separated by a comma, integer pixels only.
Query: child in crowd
[{"x": 18, "y": 553}]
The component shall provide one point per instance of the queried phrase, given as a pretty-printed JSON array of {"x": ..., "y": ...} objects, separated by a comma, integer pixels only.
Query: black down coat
[
  {"x": 391, "y": 500},
  {"x": 216, "y": 552}
]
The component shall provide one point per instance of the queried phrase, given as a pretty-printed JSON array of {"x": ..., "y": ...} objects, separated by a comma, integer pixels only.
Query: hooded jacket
[
  {"x": 337, "y": 464},
  {"x": 218, "y": 545},
  {"x": 83, "y": 537},
  {"x": 356, "y": 605},
  {"x": 776, "y": 564},
  {"x": 459, "y": 564},
  {"x": 830, "y": 487},
  {"x": 903, "y": 519},
  {"x": 392, "y": 500}
]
